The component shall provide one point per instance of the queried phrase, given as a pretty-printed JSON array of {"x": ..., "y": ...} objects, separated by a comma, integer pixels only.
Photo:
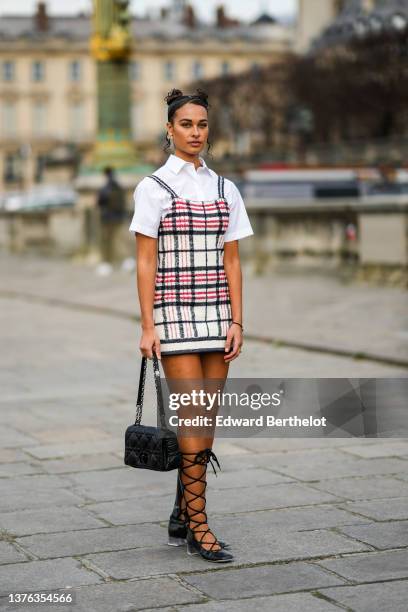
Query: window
[
  {"x": 40, "y": 164},
  {"x": 75, "y": 71},
  {"x": 8, "y": 71},
  {"x": 76, "y": 120},
  {"x": 39, "y": 115},
  {"x": 12, "y": 168},
  {"x": 169, "y": 71},
  {"x": 37, "y": 71},
  {"x": 198, "y": 71},
  {"x": 135, "y": 70},
  {"x": 9, "y": 118},
  {"x": 225, "y": 67}
]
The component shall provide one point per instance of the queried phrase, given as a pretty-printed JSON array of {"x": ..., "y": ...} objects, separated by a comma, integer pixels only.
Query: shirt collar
[{"x": 175, "y": 163}]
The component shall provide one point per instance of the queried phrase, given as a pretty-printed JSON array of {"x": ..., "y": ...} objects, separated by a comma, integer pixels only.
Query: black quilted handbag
[{"x": 148, "y": 447}]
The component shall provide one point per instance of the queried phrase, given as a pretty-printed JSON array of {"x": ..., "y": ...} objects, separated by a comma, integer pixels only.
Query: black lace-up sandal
[
  {"x": 195, "y": 536},
  {"x": 177, "y": 528}
]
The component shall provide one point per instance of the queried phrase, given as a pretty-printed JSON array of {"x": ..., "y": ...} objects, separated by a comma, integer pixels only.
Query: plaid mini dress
[{"x": 192, "y": 310}]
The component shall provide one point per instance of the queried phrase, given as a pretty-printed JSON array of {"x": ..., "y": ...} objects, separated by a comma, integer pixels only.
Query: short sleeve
[
  {"x": 148, "y": 208},
  {"x": 239, "y": 225}
]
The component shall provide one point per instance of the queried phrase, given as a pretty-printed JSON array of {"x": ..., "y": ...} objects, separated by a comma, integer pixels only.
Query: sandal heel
[
  {"x": 176, "y": 541},
  {"x": 191, "y": 550}
]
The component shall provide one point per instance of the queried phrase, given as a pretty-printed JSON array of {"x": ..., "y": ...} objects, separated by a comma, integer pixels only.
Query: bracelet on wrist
[{"x": 238, "y": 324}]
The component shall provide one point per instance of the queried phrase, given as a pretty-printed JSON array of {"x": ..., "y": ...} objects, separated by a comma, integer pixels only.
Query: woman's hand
[
  {"x": 150, "y": 341},
  {"x": 234, "y": 340}
]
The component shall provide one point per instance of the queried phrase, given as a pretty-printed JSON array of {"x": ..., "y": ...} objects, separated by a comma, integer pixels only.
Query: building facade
[{"x": 48, "y": 77}]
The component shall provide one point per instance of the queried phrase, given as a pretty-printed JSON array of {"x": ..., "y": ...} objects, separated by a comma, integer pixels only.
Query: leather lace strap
[{"x": 189, "y": 460}]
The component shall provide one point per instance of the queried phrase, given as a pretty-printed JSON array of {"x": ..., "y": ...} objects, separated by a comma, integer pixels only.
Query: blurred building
[
  {"x": 322, "y": 24},
  {"x": 360, "y": 18},
  {"x": 48, "y": 78},
  {"x": 313, "y": 17}
]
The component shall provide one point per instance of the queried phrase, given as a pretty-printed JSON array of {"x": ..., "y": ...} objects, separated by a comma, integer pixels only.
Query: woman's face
[{"x": 189, "y": 129}]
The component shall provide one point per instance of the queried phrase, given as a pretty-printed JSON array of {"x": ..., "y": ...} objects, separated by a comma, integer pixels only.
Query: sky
[{"x": 242, "y": 9}]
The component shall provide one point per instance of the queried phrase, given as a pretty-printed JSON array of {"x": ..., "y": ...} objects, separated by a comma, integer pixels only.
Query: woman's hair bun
[
  {"x": 203, "y": 95},
  {"x": 176, "y": 94},
  {"x": 173, "y": 95}
]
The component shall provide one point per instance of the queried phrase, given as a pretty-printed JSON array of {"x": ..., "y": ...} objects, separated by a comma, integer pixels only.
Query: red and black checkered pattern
[{"x": 192, "y": 311}]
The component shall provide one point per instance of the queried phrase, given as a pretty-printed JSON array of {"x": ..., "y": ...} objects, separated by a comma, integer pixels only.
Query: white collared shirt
[{"x": 153, "y": 201}]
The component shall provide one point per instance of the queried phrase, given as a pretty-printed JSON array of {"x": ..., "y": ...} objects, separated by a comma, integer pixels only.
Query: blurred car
[{"x": 39, "y": 198}]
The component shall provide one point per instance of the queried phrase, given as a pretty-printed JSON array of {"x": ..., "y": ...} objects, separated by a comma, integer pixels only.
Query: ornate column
[{"x": 111, "y": 47}]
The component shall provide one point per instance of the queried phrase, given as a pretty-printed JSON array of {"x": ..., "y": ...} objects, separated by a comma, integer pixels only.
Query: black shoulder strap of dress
[
  {"x": 163, "y": 184},
  {"x": 221, "y": 187}
]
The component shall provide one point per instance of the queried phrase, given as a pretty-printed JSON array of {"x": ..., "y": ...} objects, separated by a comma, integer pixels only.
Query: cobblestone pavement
[{"x": 316, "y": 525}]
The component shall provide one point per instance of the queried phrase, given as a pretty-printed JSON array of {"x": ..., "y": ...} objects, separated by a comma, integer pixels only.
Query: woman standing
[{"x": 187, "y": 222}]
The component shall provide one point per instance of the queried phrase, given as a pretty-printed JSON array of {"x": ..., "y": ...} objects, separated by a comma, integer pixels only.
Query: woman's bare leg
[
  {"x": 213, "y": 367},
  {"x": 183, "y": 374}
]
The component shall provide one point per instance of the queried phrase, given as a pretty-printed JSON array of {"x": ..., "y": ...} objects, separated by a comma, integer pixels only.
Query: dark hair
[{"x": 175, "y": 99}]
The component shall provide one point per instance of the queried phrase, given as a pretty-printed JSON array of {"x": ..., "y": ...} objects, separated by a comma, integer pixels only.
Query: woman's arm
[
  {"x": 232, "y": 267},
  {"x": 146, "y": 267}
]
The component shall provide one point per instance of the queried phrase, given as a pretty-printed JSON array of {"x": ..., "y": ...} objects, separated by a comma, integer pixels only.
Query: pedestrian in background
[{"x": 112, "y": 207}]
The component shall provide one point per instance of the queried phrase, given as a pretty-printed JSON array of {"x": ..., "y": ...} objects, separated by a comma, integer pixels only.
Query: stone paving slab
[
  {"x": 380, "y": 510},
  {"x": 389, "y": 449},
  {"x": 262, "y": 580},
  {"x": 52, "y": 451},
  {"x": 266, "y": 544},
  {"x": 10, "y": 437},
  {"x": 315, "y": 465},
  {"x": 37, "y": 575},
  {"x": 87, "y": 541},
  {"x": 47, "y": 519},
  {"x": 391, "y": 596},
  {"x": 11, "y": 455},
  {"x": 267, "y": 497},
  {"x": 122, "y": 483},
  {"x": 136, "y": 595},
  {"x": 83, "y": 463},
  {"x": 377, "y": 566},
  {"x": 386, "y": 535},
  {"x": 21, "y": 493},
  {"x": 123, "y": 596},
  {"x": 279, "y": 445},
  {"x": 69, "y": 434},
  {"x": 22, "y": 468},
  {"x": 10, "y": 554},
  {"x": 143, "y": 562},
  {"x": 305, "y": 518},
  {"x": 294, "y": 602},
  {"x": 127, "y": 512},
  {"x": 364, "y": 488}
]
